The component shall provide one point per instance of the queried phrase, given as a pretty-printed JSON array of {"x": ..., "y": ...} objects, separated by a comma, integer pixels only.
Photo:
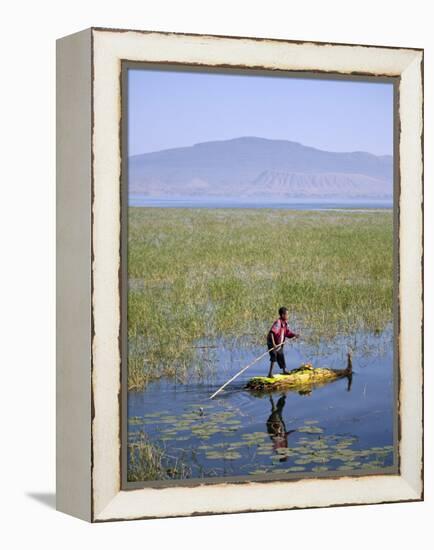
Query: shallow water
[{"x": 344, "y": 426}]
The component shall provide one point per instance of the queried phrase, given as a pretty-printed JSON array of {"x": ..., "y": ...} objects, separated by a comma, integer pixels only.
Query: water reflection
[{"x": 276, "y": 425}]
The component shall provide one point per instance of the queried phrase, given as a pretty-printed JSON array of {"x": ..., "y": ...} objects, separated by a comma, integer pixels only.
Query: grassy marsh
[
  {"x": 148, "y": 461},
  {"x": 200, "y": 274}
]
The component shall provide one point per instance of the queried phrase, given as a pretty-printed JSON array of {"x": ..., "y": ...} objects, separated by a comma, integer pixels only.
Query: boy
[{"x": 276, "y": 335}]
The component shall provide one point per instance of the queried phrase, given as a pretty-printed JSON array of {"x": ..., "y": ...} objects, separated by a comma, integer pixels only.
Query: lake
[
  {"x": 289, "y": 204},
  {"x": 347, "y": 426}
]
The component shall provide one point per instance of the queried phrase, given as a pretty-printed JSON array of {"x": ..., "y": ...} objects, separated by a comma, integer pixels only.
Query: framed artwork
[{"x": 239, "y": 274}]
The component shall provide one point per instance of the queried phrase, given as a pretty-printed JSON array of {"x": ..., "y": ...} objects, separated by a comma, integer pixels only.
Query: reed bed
[{"x": 200, "y": 274}]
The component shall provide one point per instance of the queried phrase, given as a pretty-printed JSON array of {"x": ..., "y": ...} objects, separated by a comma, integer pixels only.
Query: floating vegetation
[
  {"x": 227, "y": 454},
  {"x": 135, "y": 421},
  {"x": 308, "y": 448},
  {"x": 311, "y": 429}
]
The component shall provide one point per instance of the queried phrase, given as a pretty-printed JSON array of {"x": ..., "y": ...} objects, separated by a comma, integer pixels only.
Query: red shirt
[{"x": 281, "y": 331}]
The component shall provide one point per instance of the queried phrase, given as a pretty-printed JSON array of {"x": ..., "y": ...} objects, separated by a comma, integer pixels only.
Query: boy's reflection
[{"x": 276, "y": 426}]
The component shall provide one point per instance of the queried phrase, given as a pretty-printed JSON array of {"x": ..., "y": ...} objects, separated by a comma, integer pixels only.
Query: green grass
[
  {"x": 203, "y": 273},
  {"x": 148, "y": 461}
]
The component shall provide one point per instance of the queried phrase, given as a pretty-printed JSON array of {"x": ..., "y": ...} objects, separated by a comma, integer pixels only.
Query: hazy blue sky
[{"x": 178, "y": 108}]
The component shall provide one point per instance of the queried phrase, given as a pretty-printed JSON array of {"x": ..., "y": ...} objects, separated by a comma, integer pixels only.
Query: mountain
[{"x": 260, "y": 168}]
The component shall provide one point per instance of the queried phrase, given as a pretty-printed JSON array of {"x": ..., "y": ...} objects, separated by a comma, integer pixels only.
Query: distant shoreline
[{"x": 288, "y": 204}]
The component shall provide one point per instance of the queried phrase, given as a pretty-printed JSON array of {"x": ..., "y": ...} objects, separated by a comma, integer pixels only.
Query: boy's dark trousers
[{"x": 276, "y": 356}]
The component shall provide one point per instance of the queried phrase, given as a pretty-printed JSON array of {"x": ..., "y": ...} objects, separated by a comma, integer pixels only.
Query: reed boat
[{"x": 303, "y": 378}]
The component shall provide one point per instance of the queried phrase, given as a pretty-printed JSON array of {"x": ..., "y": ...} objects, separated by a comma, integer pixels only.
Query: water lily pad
[
  {"x": 320, "y": 469},
  {"x": 311, "y": 429},
  {"x": 135, "y": 420},
  {"x": 303, "y": 461}
]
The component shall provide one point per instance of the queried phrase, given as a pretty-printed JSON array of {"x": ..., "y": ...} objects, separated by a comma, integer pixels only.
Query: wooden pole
[{"x": 245, "y": 368}]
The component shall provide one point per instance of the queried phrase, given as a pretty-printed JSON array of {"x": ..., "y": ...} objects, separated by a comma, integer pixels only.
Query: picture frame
[{"x": 90, "y": 384}]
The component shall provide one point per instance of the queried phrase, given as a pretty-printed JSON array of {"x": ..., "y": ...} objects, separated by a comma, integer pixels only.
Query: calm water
[
  {"x": 221, "y": 202},
  {"x": 343, "y": 426}
]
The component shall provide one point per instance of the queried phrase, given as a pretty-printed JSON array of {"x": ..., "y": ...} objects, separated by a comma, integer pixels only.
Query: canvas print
[{"x": 260, "y": 290}]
